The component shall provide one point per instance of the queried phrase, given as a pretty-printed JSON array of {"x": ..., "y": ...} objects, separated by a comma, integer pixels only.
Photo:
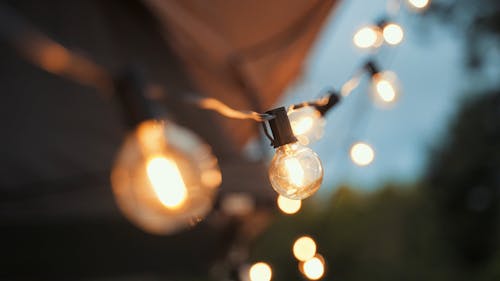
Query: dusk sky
[{"x": 429, "y": 65}]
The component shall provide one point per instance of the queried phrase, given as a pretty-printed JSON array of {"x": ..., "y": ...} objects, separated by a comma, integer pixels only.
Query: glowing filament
[
  {"x": 294, "y": 171},
  {"x": 167, "y": 182}
]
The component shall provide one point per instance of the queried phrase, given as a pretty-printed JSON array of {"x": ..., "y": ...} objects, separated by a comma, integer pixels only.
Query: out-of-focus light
[
  {"x": 313, "y": 268},
  {"x": 419, "y": 4},
  {"x": 368, "y": 37},
  {"x": 307, "y": 124},
  {"x": 164, "y": 178},
  {"x": 385, "y": 88},
  {"x": 362, "y": 154},
  {"x": 393, "y": 33},
  {"x": 288, "y": 206},
  {"x": 304, "y": 248},
  {"x": 260, "y": 271},
  {"x": 238, "y": 204}
]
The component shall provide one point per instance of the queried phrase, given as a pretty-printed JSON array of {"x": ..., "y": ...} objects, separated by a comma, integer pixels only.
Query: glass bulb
[
  {"x": 393, "y": 33},
  {"x": 307, "y": 124},
  {"x": 368, "y": 37},
  {"x": 288, "y": 206},
  {"x": 164, "y": 178},
  {"x": 295, "y": 171},
  {"x": 385, "y": 88}
]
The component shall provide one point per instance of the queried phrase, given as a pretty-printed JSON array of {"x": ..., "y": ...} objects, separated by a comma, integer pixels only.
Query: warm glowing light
[
  {"x": 362, "y": 154},
  {"x": 307, "y": 124},
  {"x": 295, "y": 171},
  {"x": 304, "y": 248},
  {"x": 260, "y": 271},
  {"x": 385, "y": 88},
  {"x": 314, "y": 268},
  {"x": 393, "y": 33},
  {"x": 419, "y": 4},
  {"x": 164, "y": 178},
  {"x": 167, "y": 182},
  {"x": 288, "y": 206},
  {"x": 367, "y": 37}
]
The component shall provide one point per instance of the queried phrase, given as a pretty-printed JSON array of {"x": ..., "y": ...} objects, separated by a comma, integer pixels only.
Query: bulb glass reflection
[
  {"x": 307, "y": 124},
  {"x": 368, "y": 37},
  {"x": 393, "y": 33},
  {"x": 288, "y": 206},
  {"x": 164, "y": 178},
  {"x": 296, "y": 171}
]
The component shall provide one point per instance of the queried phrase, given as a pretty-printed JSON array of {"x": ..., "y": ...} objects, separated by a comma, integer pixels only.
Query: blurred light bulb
[
  {"x": 368, "y": 37},
  {"x": 313, "y": 268},
  {"x": 288, "y": 206},
  {"x": 164, "y": 178},
  {"x": 362, "y": 154},
  {"x": 260, "y": 271},
  {"x": 419, "y": 4},
  {"x": 304, "y": 248},
  {"x": 393, "y": 33},
  {"x": 385, "y": 88},
  {"x": 295, "y": 171},
  {"x": 307, "y": 124}
]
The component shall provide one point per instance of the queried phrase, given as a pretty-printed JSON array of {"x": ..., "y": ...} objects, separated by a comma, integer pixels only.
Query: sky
[{"x": 429, "y": 64}]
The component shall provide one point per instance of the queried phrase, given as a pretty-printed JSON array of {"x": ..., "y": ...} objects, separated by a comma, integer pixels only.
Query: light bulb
[
  {"x": 295, "y": 171},
  {"x": 313, "y": 268},
  {"x": 304, "y": 248},
  {"x": 260, "y": 271},
  {"x": 419, "y": 4},
  {"x": 385, "y": 88},
  {"x": 288, "y": 206},
  {"x": 307, "y": 124},
  {"x": 362, "y": 154},
  {"x": 164, "y": 178},
  {"x": 368, "y": 37},
  {"x": 393, "y": 33}
]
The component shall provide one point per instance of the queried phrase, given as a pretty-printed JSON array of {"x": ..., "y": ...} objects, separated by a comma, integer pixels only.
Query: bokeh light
[
  {"x": 368, "y": 37},
  {"x": 260, "y": 271},
  {"x": 304, "y": 248},
  {"x": 313, "y": 268},
  {"x": 362, "y": 154},
  {"x": 393, "y": 33},
  {"x": 288, "y": 206},
  {"x": 307, "y": 124},
  {"x": 419, "y": 4},
  {"x": 385, "y": 88}
]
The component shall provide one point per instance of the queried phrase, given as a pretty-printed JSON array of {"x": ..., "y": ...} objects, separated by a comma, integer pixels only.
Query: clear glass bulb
[
  {"x": 164, "y": 178},
  {"x": 368, "y": 37},
  {"x": 385, "y": 88},
  {"x": 295, "y": 171},
  {"x": 307, "y": 124}
]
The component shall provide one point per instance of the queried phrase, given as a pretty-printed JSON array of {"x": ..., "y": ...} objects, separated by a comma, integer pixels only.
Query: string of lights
[{"x": 165, "y": 177}]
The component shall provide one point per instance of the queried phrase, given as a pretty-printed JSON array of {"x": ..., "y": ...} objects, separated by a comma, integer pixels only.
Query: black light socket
[
  {"x": 333, "y": 99},
  {"x": 281, "y": 128},
  {"x": 372, "y": 68},
  {"x": 130, "y": 89}
]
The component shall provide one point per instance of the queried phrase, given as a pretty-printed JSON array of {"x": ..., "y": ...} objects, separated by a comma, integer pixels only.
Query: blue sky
[{"x": 429, "y": 64}]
